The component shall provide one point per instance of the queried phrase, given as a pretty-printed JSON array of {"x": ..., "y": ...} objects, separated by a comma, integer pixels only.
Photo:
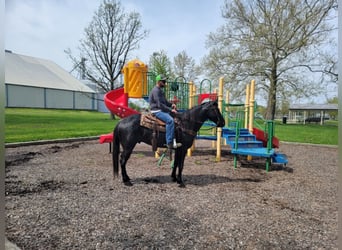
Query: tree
[
  {"x": 110, "y": 37},
  {"x": 160, "y": 63},
  {"x": 276, "y": 42},
  {"x": 185, "y": 66}
]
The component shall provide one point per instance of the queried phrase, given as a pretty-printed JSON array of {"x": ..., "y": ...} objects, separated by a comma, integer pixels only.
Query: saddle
[{"x": 148, "y": 120}]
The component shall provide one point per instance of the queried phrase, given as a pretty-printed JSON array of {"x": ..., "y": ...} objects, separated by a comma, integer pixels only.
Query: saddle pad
[{"x": 151, "y": 122}]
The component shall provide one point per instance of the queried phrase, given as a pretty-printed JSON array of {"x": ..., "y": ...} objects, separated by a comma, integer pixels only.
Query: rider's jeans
[{"x": 170, "y": 125}]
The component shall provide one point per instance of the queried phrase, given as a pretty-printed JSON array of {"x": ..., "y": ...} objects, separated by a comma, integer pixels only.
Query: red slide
[
  {"x": 261, "y": 136},
  {"x": 117, "y": 103}
]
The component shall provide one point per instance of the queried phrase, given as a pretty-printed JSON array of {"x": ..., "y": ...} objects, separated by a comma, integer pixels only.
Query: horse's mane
[{"x": 187, "y": 113}]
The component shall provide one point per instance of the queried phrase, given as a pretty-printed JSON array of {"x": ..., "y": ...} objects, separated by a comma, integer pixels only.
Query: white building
[
  {"x": 38, "y": 83},
  {"x": 307, "y": 113}
]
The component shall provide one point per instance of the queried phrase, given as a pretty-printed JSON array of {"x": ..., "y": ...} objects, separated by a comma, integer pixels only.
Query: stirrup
[{"x": 174, "y": 145}]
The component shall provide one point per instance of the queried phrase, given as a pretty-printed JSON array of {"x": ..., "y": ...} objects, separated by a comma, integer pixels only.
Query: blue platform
[
  {"x": 259, "y": 152},
  {"x": 247, "y": 145}
]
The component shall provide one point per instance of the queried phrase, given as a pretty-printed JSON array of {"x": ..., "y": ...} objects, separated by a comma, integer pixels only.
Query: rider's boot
[{"x": 174, "y": 145}]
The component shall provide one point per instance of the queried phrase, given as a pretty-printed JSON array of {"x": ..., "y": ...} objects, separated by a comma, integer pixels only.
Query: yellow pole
[
  {"x": 251, "y": 106},
  {"x": 227, "y": 108},
  {"x": 219, "y": 130},
  {"x": 192, "y": 92},
  {"x": 214, "y": 130},
  {"x": 227, "y": 114},
  {"x": 251, "y": 111},
  {"x": 247, "y": 105}
]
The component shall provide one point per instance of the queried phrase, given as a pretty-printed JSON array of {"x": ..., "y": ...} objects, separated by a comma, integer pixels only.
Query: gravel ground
[{"x": 63, "y": 196}]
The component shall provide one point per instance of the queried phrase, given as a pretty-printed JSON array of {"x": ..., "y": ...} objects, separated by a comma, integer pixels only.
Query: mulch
[{"x": 63, "y": 196}]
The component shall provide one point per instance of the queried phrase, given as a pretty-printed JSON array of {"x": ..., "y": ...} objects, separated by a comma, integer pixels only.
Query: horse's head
[{"x": 213, "y": 113}]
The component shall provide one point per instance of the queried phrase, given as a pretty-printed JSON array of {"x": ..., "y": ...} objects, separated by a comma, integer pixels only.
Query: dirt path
[{"x": 63, "y": 196}]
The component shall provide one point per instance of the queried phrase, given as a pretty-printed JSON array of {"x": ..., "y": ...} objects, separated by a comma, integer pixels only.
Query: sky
[{"x": 45, "y": 28}]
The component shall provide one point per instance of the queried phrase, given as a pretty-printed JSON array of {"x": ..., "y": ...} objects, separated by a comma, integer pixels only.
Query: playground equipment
[
  {"x": 117, "y": 102},
  {"x": 245, "y": 136},
  {"x": 240, "y": 133},
  {"x": 195, "y": 99},
  {"x": 248, "y": 140},
  {"x": 135, "y": 85},
  {"x": 138, "y": 82}
]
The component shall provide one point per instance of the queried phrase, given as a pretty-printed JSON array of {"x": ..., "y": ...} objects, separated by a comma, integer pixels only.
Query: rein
[
  {"x": 192, "y": 132},
  {"x": 189, "y": 131}
]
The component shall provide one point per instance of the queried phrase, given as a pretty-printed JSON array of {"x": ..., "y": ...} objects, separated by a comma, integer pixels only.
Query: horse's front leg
[
  {"x": 174, "y": 169},
  {"x": 181, "y": 158}
]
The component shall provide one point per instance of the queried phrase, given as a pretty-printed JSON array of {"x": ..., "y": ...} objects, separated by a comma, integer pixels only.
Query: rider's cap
[{"x": 161, "y": 78}]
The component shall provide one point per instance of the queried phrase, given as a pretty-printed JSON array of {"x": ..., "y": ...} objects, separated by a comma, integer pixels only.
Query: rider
[{"x": 162, "y": 108}]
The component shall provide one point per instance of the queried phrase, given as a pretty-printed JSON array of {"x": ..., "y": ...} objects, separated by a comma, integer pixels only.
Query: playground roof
[
  {"x": 41, "y": 73},
  {"x": 313, "y": 107}
]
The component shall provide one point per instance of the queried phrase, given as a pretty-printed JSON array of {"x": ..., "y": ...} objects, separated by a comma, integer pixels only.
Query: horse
[{"x": 128, "y": 132}]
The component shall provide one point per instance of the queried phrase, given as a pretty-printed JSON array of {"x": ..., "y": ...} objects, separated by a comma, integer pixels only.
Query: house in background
[{"x": 38, "y": 83}]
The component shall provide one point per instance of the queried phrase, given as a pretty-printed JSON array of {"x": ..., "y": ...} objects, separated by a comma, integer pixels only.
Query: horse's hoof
[
  {"x": 174, "y": 179},
  {"x": 182, "y": 185},
  {"x": 128, "y": 183}
]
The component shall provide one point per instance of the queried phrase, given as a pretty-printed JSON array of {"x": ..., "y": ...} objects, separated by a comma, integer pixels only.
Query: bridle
[
  {"x": 216, "y": 113},
  {"x": 192, "y": 132}
]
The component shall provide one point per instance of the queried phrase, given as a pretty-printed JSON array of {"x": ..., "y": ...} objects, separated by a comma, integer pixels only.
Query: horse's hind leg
[{"x": 123, "y": 160}]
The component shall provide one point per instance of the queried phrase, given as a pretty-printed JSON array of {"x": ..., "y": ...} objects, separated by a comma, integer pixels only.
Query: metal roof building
[
  {"x": 38, "y": 83},
  {"x": 313, "y": 107},
  {"x": 310, "y": 112}
]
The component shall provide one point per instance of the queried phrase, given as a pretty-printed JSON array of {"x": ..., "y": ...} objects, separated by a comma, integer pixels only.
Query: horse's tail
[{"x": 115, "y": 153}]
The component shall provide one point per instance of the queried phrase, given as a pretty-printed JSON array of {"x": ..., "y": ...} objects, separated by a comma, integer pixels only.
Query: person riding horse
[
  {"x": 129, "y": 131},
  {"x": 161, "y": 108}
]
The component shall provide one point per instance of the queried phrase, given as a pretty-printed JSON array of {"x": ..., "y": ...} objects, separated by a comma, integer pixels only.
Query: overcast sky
[{"x": 45, "y": 28}]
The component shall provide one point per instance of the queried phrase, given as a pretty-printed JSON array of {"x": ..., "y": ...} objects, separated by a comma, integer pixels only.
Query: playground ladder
[{"x": 244, "y": 143}]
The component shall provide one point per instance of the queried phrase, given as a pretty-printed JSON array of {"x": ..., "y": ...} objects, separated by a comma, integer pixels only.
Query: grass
[
  {"x": 24, "y": 124},
  {"x": 308, "y": 133}
]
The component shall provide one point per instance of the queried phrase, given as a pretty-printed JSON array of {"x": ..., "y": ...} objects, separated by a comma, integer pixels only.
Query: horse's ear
[
  {"x": 206, "y": 105},
  {"x": 215, "y": 101}
]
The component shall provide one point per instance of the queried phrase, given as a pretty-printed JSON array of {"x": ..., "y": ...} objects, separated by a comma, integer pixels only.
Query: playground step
[
  {"x": 279, "y": 158},
  {"x": 206, "y": 137},
  {"x": 246, "y": 144},
  {"x": 259, "y": 152},
  {"x": 244, "y": 137},
  {"x": 229, "y": 131}
]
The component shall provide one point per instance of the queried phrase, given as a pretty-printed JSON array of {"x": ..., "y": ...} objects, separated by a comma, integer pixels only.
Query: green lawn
[
  {"x": 308, "y": 133},
  {"x": 23, "y": 125}
]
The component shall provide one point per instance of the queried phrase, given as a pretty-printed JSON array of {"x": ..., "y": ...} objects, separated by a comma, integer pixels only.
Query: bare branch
[
  {"x": 268, "y": 39},
  {"x": 110, "y": 37}
]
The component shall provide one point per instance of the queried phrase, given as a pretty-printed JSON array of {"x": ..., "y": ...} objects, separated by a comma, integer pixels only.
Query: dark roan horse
[{"x": 128, "y": 132}]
